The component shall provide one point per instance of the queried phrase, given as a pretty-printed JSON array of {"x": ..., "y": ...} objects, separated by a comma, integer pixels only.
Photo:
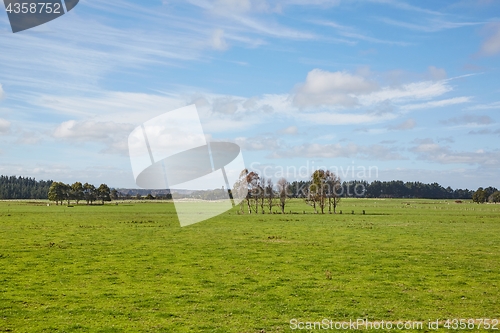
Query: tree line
[
  {"x": 12, "y": 187},
  {"x": 60, "y": 192},
  {"x": 387, "y": 189},
  {"x": 259, "y": 195}
]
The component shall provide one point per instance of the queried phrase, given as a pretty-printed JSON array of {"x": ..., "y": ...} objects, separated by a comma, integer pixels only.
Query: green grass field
[{"x": 131, "y": 268}]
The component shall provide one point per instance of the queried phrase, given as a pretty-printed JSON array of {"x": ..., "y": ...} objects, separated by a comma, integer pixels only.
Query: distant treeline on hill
[
  {"x": 12, "y": 187},
  {"x": 389, "y": 189}
]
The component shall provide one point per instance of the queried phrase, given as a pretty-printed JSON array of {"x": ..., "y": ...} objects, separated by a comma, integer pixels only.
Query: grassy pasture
[{"x": 131, "y": 268}]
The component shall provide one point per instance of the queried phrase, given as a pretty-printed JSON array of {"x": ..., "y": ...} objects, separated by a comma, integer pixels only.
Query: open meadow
[{"x": 131, "y": 268}]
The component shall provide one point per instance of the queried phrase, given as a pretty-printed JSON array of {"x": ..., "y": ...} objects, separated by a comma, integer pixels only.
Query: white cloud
[
  {"x": 350, "y": 32},
  {"x": 327, "y": 3},
  {"x": 406, "y": 125},
  {"x": 351, "y": 150},
  {"x": 234, "y": 5},
  {"x": 90, "y": 130},
  {"x": 491, "y": 106},
  {"x": 97, "y": 49},
  {"x": 406, "y": 92},
  {"x": 371, "y": 39},
  {"x": 220, "y": 113},
  {"x": 431, "y": 25},
  {"x": 262, "y": 142},
  {"x": 28, "y": 138},
  {"x": 484, "y": 131},
  {"x": 239, "y": 13},
  {"x": 291, "y": 130},
  {"x": 336, "y": 118},
  {"x": 405, "y": 6},
  {"x": 431, "y": 151},
  {"x": 1, "y": 91},
  {"x": 272, "y": 29},
  {"x": 217, "y": 41},
  {"x": 491, "y": 46},
  {"x": 436, "y": 74},
  {"x": 436, "y": 104},
  {"x": 250, "y": 103},
  {"x": 4, "y": 126},
  {"x": 245, "y": 6},
  {"x": 469, "y": 120},
  {"x": 331, "y": 88},
  {"x": 225, "y": 105},
  {"x": 110, "y": 106},
  {"x": 113, "y": 135}
]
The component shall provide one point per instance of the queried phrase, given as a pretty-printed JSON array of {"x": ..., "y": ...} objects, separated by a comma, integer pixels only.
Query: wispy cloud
[
  {"x": 469, "y": 120},
  {"x": 350, "y": 32},
  {"x": 491, "y": 46},
  {"x": 437, "y": 104},
  {"x": 408, "y": 92},
  {"x": 239, "y": 13},
  {"x": 404, "y": 126},
  {"x": 337, "y": 150},
  {"x": 290, "y": 130},
  {"x": 340, "y": 118},
  {"x": 430, "y": 25},
  {"x": 218, "y": 41},
  {"x": 4, "y": 126},
  {"x": 484, "y": 131},
  {"x": 490, "y": 106},
  {"x": 405, "y": 6}
]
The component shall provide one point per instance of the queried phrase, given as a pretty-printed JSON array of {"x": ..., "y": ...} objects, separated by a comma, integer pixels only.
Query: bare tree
[
  {"x": 334, "y": 185},
  {"x": 262, "y": 193},
  {"x": 253, "y": 182},
  {"x": 282, "y": 186},
  {"x": 240, "y": 188},
  {"x": 269, "y": 193}
]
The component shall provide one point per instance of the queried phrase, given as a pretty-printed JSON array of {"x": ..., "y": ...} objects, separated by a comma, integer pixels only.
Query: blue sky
[{"x": 409, "y": 88}]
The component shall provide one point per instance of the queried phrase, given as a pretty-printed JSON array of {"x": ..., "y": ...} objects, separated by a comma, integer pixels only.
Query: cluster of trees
[
  {"x": 261, "y": 193},
  {"x": 60, "y": 192},
  {"x": 489, "y": 194},
  {"x": 323, "y": 190},
  {"x": 12, "y": 187}
]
